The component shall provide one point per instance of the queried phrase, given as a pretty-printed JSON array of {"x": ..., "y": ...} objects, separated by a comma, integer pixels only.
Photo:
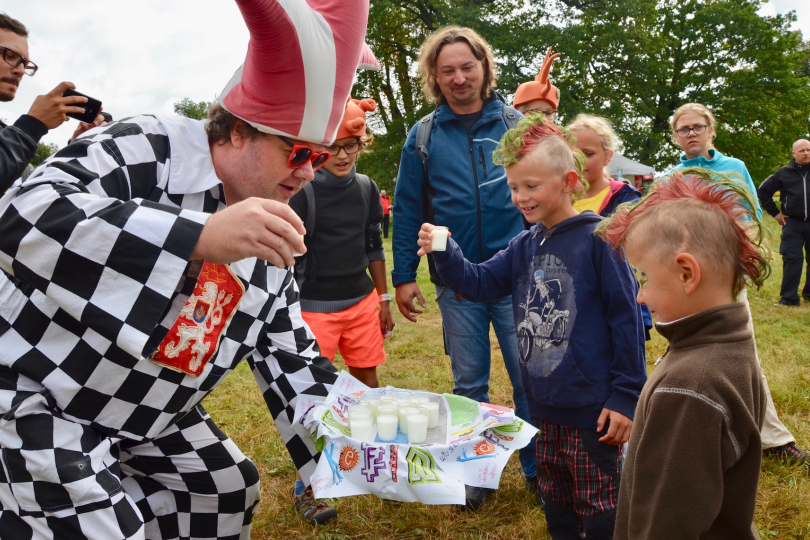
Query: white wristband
[{"x": 385, "y": 297}]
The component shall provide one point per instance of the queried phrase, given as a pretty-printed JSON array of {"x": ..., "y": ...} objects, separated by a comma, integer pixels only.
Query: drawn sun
[
  {"x": 349, "y": 458},
  {"x": 483, "y": 448}
]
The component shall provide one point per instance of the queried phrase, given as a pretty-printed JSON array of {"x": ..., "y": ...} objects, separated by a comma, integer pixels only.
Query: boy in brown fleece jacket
[{"x": 694, "y": 453}]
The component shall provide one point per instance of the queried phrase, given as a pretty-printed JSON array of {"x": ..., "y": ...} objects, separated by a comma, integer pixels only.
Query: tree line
[{"x": 632, "y": 61}]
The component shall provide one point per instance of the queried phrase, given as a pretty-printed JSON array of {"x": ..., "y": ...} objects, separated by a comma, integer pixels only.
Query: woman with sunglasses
[
  {"x": 338, "y": 298},
  {"x": 694, "y": 128}
]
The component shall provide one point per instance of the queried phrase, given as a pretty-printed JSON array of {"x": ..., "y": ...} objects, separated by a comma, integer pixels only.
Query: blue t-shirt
[{"x": 723, "y": 164}]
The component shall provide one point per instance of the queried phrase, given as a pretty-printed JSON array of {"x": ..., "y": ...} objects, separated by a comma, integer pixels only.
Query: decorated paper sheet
[{"x": 471, "y": 445}]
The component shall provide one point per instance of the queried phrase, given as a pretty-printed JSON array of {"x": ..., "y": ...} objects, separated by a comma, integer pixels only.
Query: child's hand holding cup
[{"x": 432, "y": 238}]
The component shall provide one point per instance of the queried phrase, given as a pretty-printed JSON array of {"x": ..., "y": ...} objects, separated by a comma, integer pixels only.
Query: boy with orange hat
[
  {"x": 338, "y": 298},
  {"x": 539, "y": 95}
]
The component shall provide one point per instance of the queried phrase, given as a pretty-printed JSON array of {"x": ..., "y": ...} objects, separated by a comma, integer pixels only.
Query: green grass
[{"x": 416, "y": 360}]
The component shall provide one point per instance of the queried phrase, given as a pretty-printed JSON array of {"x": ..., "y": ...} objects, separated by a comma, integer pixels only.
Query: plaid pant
[
  {"x": 189, "y": 482},
  {"x": 578, "y": 480}
]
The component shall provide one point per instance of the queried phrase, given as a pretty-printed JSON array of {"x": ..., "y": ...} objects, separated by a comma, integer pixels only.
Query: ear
[
  {"x": 688, "y": 270},
  {"x": 571, "y": 179},
  {"x": 237, "y": 141},
  {"x": 608, "y": 157}
]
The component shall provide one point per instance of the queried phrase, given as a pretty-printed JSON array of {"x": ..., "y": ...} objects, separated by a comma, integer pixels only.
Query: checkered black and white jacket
[{"x": 95, "y": 249}]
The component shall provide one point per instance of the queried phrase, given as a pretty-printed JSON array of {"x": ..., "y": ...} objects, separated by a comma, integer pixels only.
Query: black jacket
[
  {"x": 792, "y": 183},
  {"x": 18, "y": 144}
]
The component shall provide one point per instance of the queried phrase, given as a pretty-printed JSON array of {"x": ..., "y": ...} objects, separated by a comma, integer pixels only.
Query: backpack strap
[
  {"x": 368, "y": 187},
  {"x": 309, "y": 222},
  {"x": 511, "y": 116},
  {"x": 423, "y": 129},
  {"x": 308, "y": 260}
]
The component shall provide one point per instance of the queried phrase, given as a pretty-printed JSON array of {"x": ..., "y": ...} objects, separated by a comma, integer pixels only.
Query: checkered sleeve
[
  {"x": 82, "y": 231},
  {"x": 287, "y": 363}
]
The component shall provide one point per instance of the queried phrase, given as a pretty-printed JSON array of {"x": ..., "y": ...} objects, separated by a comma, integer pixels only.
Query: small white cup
[
  {"x": 438, "y": 239},
  {"x": 295, "y": 253}
]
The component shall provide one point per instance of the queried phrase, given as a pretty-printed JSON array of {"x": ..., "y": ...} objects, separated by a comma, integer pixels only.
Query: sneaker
[
  {"x": 531, "y": 483},
  {"x": 316, "y": 512},
  {"x": 790, "y": 453},
  {"x": 476, "y": 497},
  {"x": 784, "y": 302}
]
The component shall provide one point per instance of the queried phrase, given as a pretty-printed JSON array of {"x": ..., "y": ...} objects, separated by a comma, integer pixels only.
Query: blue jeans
[{"x": 466, "y": 339}]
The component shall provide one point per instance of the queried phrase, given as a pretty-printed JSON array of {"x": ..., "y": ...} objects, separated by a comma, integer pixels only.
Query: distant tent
[{"x": 624, "y": 166}]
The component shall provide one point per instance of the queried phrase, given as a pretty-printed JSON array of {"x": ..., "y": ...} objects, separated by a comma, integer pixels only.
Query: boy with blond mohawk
[
  {"x": 580, "y": 331},
  {"x": 693, "y": 462}
]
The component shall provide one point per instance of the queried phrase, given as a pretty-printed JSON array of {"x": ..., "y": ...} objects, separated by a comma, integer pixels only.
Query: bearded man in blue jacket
[{"x": 466, "y": 192}]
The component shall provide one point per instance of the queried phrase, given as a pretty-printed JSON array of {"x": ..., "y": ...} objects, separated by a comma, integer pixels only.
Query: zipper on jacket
[
  {"x": 804, "y": 184},
  {"x": 482, "y": 161},
  {"x": 477, "y": 199}
]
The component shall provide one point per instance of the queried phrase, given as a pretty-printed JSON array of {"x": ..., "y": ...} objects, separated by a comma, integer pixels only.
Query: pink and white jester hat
[{"x": 300, "y": 65}]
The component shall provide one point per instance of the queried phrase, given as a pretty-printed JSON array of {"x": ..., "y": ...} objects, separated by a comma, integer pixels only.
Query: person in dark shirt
[
  {"x": 338, "y": 299},
  {"x": 18, "y": 143},
  {"x": 794, "y": 217}
]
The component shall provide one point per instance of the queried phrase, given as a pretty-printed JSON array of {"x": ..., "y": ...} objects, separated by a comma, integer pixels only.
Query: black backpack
[{"x": 308, "y": 260}]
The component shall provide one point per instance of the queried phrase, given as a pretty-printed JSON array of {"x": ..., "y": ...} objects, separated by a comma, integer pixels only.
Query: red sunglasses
[{"x": 301, "y": 154}]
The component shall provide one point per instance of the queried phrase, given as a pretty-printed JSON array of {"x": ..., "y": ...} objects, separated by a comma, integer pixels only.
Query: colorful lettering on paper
[
  {"x": 514, "y": 427},
  {"x": 373, "y": 460},
  {"x": 330, "y": 458},
  {"x": 394, "y": 461},
  {"x": 483, "y": 448},
  {"x": 488, "y": 436},
  {"x": 421, "y": 467},
  {"x": 330, "y": 421},
  {"x": 349, "y": 458}
]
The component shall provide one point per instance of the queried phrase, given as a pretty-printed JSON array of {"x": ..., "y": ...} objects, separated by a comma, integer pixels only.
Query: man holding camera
[
  {"x": 18, "y": 143},
  {"x": 151, "y": 257}
]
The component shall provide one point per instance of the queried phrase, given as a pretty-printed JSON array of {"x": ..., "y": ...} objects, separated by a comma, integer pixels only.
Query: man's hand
[
  {"x": 386, "y": 318},
  {"x": 82, "y": 127},
  {"x": 51, "y": 109},
  {"x": 425, "y": 241},
  {"x": 255, "y": 227},
  {"x": 405, "y": 295},
  {"x": 781, "y": 219},
  {"x": 619, "y": 430}
]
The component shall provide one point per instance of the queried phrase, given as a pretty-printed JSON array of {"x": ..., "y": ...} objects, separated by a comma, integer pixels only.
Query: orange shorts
[{"x": 355, "y": 332}]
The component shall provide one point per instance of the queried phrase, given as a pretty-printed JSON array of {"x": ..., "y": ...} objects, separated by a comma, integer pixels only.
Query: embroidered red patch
[{"x": 194, "y": 337}]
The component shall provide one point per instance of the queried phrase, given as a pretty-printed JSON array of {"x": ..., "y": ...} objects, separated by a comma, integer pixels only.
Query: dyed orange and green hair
[
  {"x": 536, "y": 133},
  {"x": 701, "y": 212}
]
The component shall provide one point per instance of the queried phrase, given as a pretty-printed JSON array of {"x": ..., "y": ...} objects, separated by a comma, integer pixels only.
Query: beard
[{"x": 9, "y": 95}]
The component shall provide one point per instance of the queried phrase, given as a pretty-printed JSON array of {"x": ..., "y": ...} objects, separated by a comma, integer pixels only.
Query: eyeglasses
[
  {"x": 698, "y": 130},
  {"x": 350, "y": 148},
  {"x": 301, "y": 154},
  {"x": 548, "y": 114},
  {"x": 14, "y": 59}
]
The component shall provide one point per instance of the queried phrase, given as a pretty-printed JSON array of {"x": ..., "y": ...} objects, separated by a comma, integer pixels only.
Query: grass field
[{"x": 416, "y": 360}]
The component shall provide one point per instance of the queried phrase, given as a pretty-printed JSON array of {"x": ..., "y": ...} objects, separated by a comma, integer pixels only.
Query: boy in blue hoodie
[{"x": 580, "y": 330}]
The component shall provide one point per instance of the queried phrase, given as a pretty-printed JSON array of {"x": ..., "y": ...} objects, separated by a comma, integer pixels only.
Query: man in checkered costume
[{"x": 130, "y": 290}]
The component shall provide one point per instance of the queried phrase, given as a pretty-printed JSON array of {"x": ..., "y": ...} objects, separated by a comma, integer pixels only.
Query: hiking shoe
[
  {"x": 784, "y": 302},
  {"x": 531, "y": 483},
  {"x": 476, "y": 497},
  {"x": 316, "y": 512},
  {"x": 790, "y": 453}
]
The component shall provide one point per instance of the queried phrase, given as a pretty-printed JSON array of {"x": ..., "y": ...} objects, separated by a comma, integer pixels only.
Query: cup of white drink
[
  {"x": 387, "y": 420},
  {"x": 417, "y": 425},
  {"x": 438, "y": 238},
  {"x": 403, "y": 416},
  {"x": 362, "y": 428}
]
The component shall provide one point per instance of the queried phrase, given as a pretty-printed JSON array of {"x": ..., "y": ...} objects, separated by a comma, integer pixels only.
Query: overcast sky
[{"x": 142, "y": 56}]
